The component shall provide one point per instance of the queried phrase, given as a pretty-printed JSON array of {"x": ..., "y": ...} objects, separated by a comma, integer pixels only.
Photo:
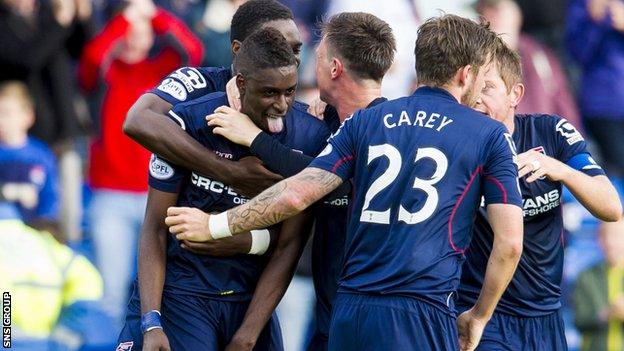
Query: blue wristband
[{"x": 150, "y": 321}]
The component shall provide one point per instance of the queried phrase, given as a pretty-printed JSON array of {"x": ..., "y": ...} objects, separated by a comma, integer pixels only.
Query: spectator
[
  {"x": 545, "y": 21},
  {"x": 117, "y": 61},
  {"x": 599, "y": 294},
  {"x": 214, "y": 30},
  {"x": 594, "y": 36},
  {"x": 34, "y": 38},
  {"x": 46, "y": 281},
  {"x": 28, "y": 174},
  {"x": 547, "y": 88}
]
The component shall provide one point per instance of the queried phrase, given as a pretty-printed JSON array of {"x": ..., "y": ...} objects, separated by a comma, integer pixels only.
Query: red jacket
[{"x": 117, "y": 162}]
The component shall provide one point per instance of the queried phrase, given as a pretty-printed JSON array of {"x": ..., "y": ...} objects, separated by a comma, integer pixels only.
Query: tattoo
[{"x": 283, "y": 200}]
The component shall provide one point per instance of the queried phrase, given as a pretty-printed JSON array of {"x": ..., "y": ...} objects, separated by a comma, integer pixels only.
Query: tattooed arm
[{"x": 277, "y": 203}]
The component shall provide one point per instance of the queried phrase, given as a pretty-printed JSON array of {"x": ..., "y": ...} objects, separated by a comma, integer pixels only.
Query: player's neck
[
  {"x": 355, "y": 96},
  {"x": 454, "y": 90}
]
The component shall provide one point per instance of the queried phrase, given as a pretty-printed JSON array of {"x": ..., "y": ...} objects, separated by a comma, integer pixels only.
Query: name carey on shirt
[{"x": 421, "y": 119}]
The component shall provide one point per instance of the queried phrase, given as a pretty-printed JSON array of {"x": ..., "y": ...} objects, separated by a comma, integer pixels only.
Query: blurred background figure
[
  {"x": 599, "y": 294},
  {"x": 54, "y": 291},
  {"x": 28, "y": 174},
  {"x": 38, "y": 38},
  {"x": 547, "y": 88},
  {"x": 594, "y": 37},
  {"x": 545, "y": 21},
  {"x": 213, "y": 28},
  {"x": 134, "y": 51}
]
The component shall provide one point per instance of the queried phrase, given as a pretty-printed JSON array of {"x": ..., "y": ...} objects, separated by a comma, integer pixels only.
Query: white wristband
[
  {"x": 219, "y": 226},
  {"x": 260, "y": 240}
]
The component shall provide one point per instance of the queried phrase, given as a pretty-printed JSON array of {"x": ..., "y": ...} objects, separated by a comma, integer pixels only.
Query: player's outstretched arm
[
  {"x": 281, "y": 201},
  {"x": 256, "y": 243},
  {"x": 152, "y": 262},
  {"x": 596, "y": 192},
  {"x": 273, "y": 281},
  {"x": 507, "y": 224}
]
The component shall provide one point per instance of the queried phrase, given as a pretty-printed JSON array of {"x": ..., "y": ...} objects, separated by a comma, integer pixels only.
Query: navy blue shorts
[
  {"x": 365, "y": 322},
  {"x": 507, "y": 332},
  {"x": 196, "y": 324}
]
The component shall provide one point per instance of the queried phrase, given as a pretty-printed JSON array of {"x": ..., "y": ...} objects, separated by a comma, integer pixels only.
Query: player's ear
[
  {"x": 517, "y": 92},
  {"x": 336, "y": 68},
  {"x": 241, "y": 84},
  {"x": 464, "y": 75},
  {"x": 236, "y": 45}
]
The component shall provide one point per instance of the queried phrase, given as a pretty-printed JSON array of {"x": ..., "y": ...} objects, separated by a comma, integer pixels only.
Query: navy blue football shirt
[
  {"x": 535, "y": 289},
  {"x": 419, "y": 166},
  {"x": 329, "y": 236},
  {"x": 229, "y": 277}
]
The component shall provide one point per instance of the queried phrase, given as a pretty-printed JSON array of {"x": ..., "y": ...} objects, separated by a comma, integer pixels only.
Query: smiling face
[
  {"x": 503, "y": 89},
  {"x": 267, "y": 95},
  {"x": 494, "y": 100}
]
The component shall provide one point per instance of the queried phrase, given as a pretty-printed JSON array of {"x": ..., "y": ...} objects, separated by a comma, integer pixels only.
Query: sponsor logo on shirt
[
  {"x": 216, "y": 187},
  {"x": 227, "y": 155},
  {"x": 125, "y": 346},
  {"x": 160, "y": 169},
  {"x": 567, "y": 130},
  {"x": 173, "y": 88},
  {"x": 341, "y": 201},
  {"x": 190, "y": 77},
  {"x": 534, "y": 206}
]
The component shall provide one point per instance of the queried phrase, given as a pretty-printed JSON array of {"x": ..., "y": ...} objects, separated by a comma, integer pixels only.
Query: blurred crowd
[{"x": 73, "y": 186}]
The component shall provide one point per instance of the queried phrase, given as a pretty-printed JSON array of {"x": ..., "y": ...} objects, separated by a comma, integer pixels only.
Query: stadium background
[{"x": 552, "y": 74}]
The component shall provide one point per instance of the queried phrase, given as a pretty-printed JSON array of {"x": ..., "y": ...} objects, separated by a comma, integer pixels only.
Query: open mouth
[
  {"x": 273, "y": 116},
  {"x": 275, "y": 122}
]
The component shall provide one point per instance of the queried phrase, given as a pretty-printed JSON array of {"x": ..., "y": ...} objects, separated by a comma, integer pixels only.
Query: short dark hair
[
  {"x": 363, "y": 41},
  {"x": 253, "y": 14},
  {"x": 508, "y": 64},
  {"x": 449, "y": 42},
  {"x": 264, "y": 48}
]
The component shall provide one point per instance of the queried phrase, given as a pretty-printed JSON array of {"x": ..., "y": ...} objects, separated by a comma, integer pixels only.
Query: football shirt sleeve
[
  {"x": 163, "y": 175},
  {"x": 338, "y": 156},
  {"x": 500, "y": 174},
  {"x": 184, "y": 84},
  {"x": 572, "y": 148}
]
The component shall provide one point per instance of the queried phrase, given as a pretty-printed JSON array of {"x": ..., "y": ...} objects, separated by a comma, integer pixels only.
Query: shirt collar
[{"x": 434, "y": 91}]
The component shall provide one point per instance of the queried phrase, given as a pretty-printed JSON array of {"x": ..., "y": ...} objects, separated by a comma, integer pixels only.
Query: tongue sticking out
[{"x": 275, "y": 124}]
